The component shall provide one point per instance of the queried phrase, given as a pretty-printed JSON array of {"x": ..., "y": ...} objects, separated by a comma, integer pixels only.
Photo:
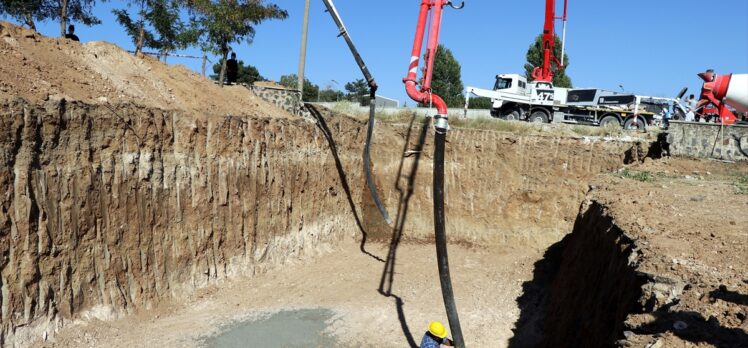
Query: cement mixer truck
[{"x": 725, "y": 92}]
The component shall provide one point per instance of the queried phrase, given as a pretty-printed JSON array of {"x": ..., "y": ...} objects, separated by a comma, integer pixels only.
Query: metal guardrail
[{"x": 453, "y": 112}]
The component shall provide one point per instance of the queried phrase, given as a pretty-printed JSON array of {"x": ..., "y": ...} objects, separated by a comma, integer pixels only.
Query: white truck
[{"x": 513, "y": 98}]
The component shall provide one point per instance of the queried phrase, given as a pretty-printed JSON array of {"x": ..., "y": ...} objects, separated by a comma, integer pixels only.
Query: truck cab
[
  {"x": 513, "y": 98},
  {"x": 537, "y": 92},
  {"x": 511, "y": 83}
]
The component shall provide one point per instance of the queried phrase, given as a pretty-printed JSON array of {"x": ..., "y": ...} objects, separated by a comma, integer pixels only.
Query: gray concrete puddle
[{"x": 285, "y": 329}]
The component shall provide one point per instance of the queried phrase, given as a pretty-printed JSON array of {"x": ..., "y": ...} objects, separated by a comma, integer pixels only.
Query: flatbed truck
[{"x": 513, "y": 98}]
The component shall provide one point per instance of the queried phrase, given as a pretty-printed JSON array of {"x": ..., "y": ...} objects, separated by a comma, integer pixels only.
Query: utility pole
[{"x": 302, "y": 57}]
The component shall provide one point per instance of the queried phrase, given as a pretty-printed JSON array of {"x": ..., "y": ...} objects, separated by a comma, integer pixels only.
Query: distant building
[{"x": 384, "y": 102}]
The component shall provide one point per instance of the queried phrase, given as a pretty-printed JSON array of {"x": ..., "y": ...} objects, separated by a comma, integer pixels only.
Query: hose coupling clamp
[{"x": 441, "y": 123}]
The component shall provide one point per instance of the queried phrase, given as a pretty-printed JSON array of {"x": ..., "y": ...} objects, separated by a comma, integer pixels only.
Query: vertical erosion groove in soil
[{"x": 107, "y": 209}]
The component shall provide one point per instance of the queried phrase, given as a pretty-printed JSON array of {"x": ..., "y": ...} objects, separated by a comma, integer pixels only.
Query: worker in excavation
[{"x": 436, "y": 336}]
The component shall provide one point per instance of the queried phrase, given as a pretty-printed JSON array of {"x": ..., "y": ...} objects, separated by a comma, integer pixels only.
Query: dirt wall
[
  {"x": 501, "y": 188},
  {"x": 596, "y": 286},
  {"x": 109, "y": 209},
  {"x": 644, "y": 265},
  {"x": 105, "y": 210}
]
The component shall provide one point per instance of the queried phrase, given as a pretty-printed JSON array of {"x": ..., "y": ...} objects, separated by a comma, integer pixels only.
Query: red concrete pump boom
[
  {"x": 424, "y": 95},
  {"x": 545, "y": 73}
]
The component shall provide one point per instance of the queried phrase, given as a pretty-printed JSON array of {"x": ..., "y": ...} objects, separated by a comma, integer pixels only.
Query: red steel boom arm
[
  {"x": 424, "y": 95},
  {"x": 545, "y": 73}
]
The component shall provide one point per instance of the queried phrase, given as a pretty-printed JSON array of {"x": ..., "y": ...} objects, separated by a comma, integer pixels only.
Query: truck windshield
[{"x": 502, "y": 84}]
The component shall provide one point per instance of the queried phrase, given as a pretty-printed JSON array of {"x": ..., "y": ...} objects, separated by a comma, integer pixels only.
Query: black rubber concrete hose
[
  {"x": 372, "y": 107},
  {"x": 441, "y": 240},
  {"x": 367, "y": 162}
]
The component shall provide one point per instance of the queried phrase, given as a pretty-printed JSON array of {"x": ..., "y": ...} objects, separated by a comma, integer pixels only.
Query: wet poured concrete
[{"x": 287, "y": 329}]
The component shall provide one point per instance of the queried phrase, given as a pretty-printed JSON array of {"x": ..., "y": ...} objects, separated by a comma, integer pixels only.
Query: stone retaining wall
[
  {"x": 708, "y": 140},
  {"x": 286, "y": 99}
]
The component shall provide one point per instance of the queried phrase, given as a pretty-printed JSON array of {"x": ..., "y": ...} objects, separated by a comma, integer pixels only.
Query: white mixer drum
[{"x": 737, "y": 92}]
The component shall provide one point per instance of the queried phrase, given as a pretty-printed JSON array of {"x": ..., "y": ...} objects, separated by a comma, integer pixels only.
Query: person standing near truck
[{"x": 690, "y": 109}]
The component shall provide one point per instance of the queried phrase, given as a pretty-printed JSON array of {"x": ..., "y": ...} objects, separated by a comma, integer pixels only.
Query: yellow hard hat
[{"x": 437, "y": 329}]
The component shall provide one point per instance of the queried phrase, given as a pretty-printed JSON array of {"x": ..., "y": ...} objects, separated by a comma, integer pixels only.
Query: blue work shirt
[{"x": 429, "y": 341}]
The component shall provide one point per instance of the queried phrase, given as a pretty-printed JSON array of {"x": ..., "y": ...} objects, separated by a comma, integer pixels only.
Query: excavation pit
[
  {"x": 128, "y": 208},
  {"x": 135, "y": 212}
]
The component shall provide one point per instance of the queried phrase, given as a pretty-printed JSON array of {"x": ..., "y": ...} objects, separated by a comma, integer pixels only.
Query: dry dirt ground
[
  {"x": 345, "y": 280},
  {"x": 690, "y": 220},
  {"x": 38, "y": 68}
]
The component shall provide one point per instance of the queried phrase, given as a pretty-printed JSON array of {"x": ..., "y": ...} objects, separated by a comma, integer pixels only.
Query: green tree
[
  {"x": 535, "y": 58},
  {"x": 30, "y": 11},
  {"x": 159, "y": 26},
  {"x": 358, "y": 90},
  {"x": 330, "y": 95},
  {"x": 446, "y": 79},
  {"x": 24, "y": 11},
  {"x": 292, "y": 81},
  {"x": 247, "y": 73},
  {"x": 141, "y": 37},
  {"x": 173, "y": 32},
  {"x": 480, "y": 103},
  {"x": 70, "y": 10},
  {"x": 223, "y": 22}
]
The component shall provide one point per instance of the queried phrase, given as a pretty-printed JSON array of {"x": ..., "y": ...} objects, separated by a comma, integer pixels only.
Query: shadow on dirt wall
[
  {"x": 322, "y": 124},
  {"x": 405, "y": 186},
  {"x": 528, "y": 330},
  {"x": 583, "y": 289},
  {"x": 405, "y": 193}
]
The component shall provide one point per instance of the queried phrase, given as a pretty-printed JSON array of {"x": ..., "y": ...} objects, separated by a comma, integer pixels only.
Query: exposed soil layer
[
  {"x": 107, "y": 210},
  {"x": 595, "y": 286},
  {"x": 39, "y": 68},
  {"x": 614, "y": 281},
  {"x": 134, "y": 190},
  {"x": 501, "y": 188},
  {"x": 691, "y": 231},
  {"x": 656, "y": 257}
]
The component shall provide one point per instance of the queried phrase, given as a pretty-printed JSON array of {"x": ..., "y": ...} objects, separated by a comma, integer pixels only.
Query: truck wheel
[
  {"x": 512, "y": 116},
  {"x": 538, "y": 117},
  {"x": 610, "y": 120},
  {"x": 640, "y": 124},
  {"x": 678, "y": 115}
]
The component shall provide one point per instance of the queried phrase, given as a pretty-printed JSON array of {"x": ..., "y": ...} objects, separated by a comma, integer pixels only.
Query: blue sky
[{"x": 652, "y": 47}]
